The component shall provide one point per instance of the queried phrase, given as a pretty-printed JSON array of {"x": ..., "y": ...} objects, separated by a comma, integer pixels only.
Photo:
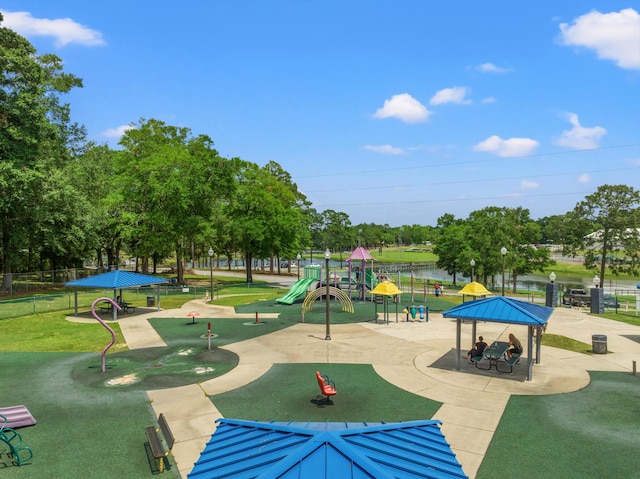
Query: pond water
[{"x": 531, "y": 282}]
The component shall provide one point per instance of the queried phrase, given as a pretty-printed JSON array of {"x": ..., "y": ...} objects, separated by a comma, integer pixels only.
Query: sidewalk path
[{"x": 416, "y": 356}]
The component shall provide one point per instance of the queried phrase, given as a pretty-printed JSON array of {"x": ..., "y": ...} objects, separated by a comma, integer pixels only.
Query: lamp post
[
  {"x": 503, "y": 252},
  {"x": 211, "y": 270},
  {"x": 597, "y": 296},
  {"x": 298, "y": 258},
  {"x": 551, "y": 299},
  {"x": 327, "y": 256},
  {"x": 473, "y": 264}
]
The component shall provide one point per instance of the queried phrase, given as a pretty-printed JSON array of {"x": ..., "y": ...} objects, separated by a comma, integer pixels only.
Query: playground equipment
[
  {"x": 366, "y": 276},
  {"x": 337, "y": 293},
  {"x": 113, "y": 334},
  {"x": 386, "y": 289},
  {"x": 300, "y": 287},
  {"x": 13, "y": 440}
]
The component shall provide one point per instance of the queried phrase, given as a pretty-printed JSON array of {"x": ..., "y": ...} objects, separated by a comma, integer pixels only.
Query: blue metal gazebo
[
  {"x": 500, "y": 309},
  {"x": 116, "y": 280},
  {"x": 319, "y": 450}
]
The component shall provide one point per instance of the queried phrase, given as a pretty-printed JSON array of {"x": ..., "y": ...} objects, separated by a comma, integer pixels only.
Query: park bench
[
  {"x": 159, "y": 449},
  {"x": 510, "y": 362},
  {"x": 327, "y": 386}
]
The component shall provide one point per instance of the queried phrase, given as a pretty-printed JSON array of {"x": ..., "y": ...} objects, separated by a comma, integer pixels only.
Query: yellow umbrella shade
[
  {"x": 385, "y": 288},
  {"x": 474, "y": 289}
]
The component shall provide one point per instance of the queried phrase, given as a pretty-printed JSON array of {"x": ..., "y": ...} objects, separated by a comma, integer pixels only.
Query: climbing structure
[{"x": 366, "y": 277}]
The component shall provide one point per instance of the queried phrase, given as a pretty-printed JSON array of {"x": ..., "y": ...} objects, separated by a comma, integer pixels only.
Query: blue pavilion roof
[
  {"x": 500, "y": 309},
  {"x": 115, "y": 280},
  {"x": 270, "y": 450}
]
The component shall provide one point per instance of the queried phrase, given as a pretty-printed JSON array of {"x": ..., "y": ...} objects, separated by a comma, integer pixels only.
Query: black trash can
[
  {"x": 599, "y": 343},
  {"x": 151, "y": 301}
]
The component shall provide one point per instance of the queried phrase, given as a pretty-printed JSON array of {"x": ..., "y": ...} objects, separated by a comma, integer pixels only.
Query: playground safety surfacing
[{"x": 154, "y": 368}]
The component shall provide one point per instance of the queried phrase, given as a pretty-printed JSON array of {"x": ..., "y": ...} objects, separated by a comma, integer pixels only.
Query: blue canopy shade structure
[
  {"x": 500, "y": 309},
  {"x": 270, "y": 450},
  {"x": 116, "y": 280}
]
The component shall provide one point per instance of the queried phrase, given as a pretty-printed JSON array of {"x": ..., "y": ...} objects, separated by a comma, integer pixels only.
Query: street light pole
[
  {"x": 503, "y": 251},
  {"x": 473, "y": 264},
  {"x": 298, "y": 258},
  {"x": 211, "y": 270},
  {"x": 327, "y": 256}
]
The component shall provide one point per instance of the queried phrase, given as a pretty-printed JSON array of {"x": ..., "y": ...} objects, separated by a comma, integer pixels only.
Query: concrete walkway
[{"x": 416, "y": 356}]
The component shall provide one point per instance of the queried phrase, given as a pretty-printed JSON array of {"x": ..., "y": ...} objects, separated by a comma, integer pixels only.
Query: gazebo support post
[
  {"x": 538, "y": 341},
  {"x": 529, "y": 353},
  {"x": 473, "y": 333},
  {"x": 75, "y": 303},
  {"x": 458, "y": 352}
]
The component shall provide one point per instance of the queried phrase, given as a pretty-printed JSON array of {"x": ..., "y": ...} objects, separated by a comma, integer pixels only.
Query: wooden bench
[
  {"x": 510, "y": 362},
  {"x": 159, "y": 450},
  {"x": 327, "y": 386}
]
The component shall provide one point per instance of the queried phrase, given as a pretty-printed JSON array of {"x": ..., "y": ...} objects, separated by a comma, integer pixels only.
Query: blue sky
[{"x": 392, "y": 112}]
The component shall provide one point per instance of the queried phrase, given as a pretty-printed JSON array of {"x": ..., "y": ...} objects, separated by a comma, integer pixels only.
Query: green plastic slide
[
  {"x": 371, "y": 279},
  {"x": 298, "y": 289}
]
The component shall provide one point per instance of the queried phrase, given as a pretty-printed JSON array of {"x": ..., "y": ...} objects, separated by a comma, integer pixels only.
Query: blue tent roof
[
  {"x": 500, "y": 309},
  {"x": 250, "y": 449},
  {"x": 115, "y": 280}
]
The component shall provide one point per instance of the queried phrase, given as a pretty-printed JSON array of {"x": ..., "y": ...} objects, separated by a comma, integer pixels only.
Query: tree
[
  {"x": 336, "y": 230},
  {"x": 263, "y": 212},
  {"x": 172, "y": 182},
  {"x": 613, "y": 211},
  {"x": 524, "y": 257},
  {"x": 34, "y": 135},
  {"x": 452, "y": 244}
]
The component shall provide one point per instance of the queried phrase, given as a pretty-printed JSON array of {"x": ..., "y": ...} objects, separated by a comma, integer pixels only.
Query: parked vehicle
[{"x": 576, "y": 297}]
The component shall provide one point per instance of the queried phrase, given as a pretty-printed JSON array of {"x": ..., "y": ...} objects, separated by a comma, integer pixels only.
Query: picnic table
[
  {"x": 493, "y": 353},
  {"x": 106, "y": 308}
]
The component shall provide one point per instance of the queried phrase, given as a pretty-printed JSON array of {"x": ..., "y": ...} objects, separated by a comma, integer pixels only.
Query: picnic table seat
[
  {"x": 510, "y": 362},
  {"x": 126, "y": 307}
]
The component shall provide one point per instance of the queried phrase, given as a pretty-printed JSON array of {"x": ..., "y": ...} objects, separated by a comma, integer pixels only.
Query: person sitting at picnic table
[
  {"x": 477, "y": 350},
  {"x": 515, "y": 346}
]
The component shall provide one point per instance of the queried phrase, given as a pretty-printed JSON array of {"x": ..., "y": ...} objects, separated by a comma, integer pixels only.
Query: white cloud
[
  {"x": 510, "y": 148},
  {"x": 614, "y": 36},
  {"x": 403, "y": 107},
  {"x": 489, "y": 99},
  {"x": 451, "y": 95},
  {"x": 528, "y": 185},
  {"x": 491, "y": 68},
  {"x": 63, "y": 30},
  {"x": 584, "y": 178},
  {"x": 117, "y": 132},
  {"x": 580, "y": 137},
  {"x": 385, "y": 149}
]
